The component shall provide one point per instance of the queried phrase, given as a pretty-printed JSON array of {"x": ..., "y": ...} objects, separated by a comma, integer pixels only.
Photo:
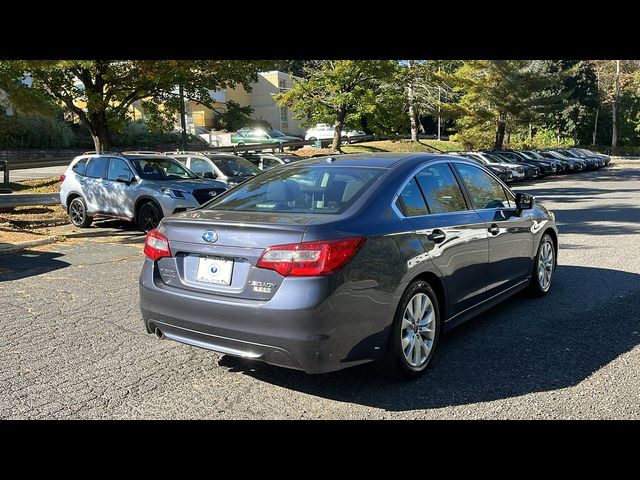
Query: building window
[
  {"x": 283, "y": 114},
  {"x": 282, "y": 84}
]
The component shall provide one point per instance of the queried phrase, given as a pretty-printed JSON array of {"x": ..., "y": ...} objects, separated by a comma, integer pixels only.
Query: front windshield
[
  {"x": 527, "y": 155},
  {"x": 235, "y": 166},
  {"x": 492, "y": 158},
  {"x": 535, "y": 155},
  {"x": 276, "y": 133},
  {"x": 161, "y": 168},
  {"x": 305, "y": 189},
  {"x": 557, "y": 154}
]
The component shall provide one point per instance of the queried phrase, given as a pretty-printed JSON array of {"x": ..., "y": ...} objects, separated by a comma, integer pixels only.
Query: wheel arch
[
  {"x": 141, "y": 201},
  {"x": 69, "y": 199},
  {"x": 554, "y": 236},
  {"x": 438, "y": 287}
]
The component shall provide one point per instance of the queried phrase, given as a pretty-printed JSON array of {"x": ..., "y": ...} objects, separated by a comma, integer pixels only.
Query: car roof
[{"x": 379, "y": 160}]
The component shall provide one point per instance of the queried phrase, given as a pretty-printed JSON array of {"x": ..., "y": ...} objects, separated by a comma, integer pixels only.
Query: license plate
[{"x": 215, "y": 270}]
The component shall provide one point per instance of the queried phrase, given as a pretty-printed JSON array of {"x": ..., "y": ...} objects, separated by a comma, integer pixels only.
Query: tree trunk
[
  {"x": 508, "y": 138},
  {"x": 183, "y": 121},
  {"x": 412, "y": 112},
  {"x": 99, "y": 131},
  {"x": 530, "y": 134},
  {"x": 500, "y": 129},
  {"x": 338, "y": 126},
  {"x": 614, "y": 136}
]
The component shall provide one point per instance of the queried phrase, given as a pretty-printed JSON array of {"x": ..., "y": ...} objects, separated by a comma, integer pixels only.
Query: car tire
[
  {"x": 544, "y": 266},
  {"x": 149, "y": 216},
  {"x": 78, "y": 213},
  {"x": 401, "y": 360}
]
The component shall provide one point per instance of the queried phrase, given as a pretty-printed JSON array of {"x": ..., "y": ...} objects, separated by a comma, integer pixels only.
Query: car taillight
[
  {"x": 62, "y": 177},
  {"x": 156, "y": 245},
  {"x": 310, "y": 258}
]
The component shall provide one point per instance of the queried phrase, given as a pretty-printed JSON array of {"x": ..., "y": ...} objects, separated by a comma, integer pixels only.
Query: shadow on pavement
[
  {"x": 521, "y": 346},
  {"x": 28, "y": 263},
  {"x": 118, "y": 231}
]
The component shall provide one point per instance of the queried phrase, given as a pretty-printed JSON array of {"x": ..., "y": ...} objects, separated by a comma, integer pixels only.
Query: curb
[{"x": 14, "y": 247}]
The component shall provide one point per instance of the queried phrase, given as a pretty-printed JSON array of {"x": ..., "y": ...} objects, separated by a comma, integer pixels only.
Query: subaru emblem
[{"x": 210, "y": 236}]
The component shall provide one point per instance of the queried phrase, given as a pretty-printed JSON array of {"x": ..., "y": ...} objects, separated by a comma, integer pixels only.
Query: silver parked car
[
  {"x": 224, "y": 167},
  {"x": 140, "y": 188}
]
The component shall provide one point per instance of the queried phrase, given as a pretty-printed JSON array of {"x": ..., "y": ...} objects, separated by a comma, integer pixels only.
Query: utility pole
[
  {"x": 595, "y": 124},
  {"x": 614, "y": 136},
  {"x": 183, "y": 120},
  {"x": 439, "y": 99}
]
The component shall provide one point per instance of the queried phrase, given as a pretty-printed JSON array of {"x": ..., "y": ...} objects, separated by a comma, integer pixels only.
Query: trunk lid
[{"x": 240, "y": 238}]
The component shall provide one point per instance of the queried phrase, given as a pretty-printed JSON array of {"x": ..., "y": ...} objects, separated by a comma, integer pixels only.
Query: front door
[
  {"x": 120, "y": 195},
  {"x": 510, "y": 235}
]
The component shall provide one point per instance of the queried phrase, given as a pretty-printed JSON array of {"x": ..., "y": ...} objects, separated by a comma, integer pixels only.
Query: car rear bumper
[{"x": 293, "y": 330}]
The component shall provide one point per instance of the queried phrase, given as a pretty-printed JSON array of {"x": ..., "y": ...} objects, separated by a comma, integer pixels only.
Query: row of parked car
[
  {"x": 145, "y": 186},
  {"x": 513, "y": 166}
]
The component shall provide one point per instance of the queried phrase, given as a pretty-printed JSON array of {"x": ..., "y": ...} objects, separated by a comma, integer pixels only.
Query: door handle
[
  {"x": 437, "y": 236},
  {"x": 494, "y": 229}
]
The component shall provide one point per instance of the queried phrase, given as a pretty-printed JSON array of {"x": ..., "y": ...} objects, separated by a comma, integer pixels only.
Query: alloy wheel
[
  {"x": 545, "y": 266},
  {"x": 418, "y": 330},
  {"x": 77, "y": 212}
]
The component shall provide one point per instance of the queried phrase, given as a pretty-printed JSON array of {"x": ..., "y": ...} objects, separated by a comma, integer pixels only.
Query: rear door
[
  {"x": 510, "y": 236},
  {"x": 93, "y": 184},
  {"x": 452, "y": 233}
]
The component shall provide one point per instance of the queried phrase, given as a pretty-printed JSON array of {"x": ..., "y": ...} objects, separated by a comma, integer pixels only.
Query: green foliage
[
  {"x": 337, "y": 92},
  {"x": 234, "y": 118},
  {"x": 502, "y": 93},
  {"x": 110, "y": 87},
  {"x": 34, "y": 131}
]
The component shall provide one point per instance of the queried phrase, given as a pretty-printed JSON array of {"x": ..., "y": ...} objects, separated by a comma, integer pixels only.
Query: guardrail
[{"x": 28, "y": 199}]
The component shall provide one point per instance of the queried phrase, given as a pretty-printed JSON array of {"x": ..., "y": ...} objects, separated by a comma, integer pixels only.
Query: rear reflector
[
  {"x": 310, "y": 258},
  {"x": 156, "y": 245},
  {"x": 62, "y": 177}
]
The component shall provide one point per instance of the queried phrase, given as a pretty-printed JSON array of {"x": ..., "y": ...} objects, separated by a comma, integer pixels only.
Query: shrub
[{"x": 34, "y": 131}]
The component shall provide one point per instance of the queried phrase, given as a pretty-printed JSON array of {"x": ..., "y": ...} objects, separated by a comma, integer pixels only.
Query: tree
[
  {"x": 100, "y": 92},
  {"x": 334, "y": 91},
  {"x": 498, "y": 92},
  {"x": 619, "y": 101},
  {"x": 569, "y": 102}
]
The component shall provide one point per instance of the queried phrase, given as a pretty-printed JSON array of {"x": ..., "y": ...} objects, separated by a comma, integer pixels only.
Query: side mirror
[
  {"x": 125, "y": 180},
  {"x": 207, "y": 175},
  {"x": 524, "y": 201}
]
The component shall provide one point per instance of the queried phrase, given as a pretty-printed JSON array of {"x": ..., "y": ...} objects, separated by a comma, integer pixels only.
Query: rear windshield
[{"x": 309, "y": 189}]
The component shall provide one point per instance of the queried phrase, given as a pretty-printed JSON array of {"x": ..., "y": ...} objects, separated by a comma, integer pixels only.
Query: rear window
[
  {"x": 80, "y": 166},
  {"x": 310, "y": 189}
]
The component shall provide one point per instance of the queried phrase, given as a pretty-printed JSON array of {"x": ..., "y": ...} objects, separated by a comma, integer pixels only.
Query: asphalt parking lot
[{"x": 72, "y": 344}]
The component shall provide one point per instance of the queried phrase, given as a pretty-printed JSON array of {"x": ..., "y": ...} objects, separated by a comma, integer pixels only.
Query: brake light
[
  {"x": 156, "y": 245},
  {"x": 310, "y": 258},
  {"x": 62, "y": 177}
]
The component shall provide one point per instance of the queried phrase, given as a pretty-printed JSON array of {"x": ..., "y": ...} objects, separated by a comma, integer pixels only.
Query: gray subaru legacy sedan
[{"x": 336, "y": 261}]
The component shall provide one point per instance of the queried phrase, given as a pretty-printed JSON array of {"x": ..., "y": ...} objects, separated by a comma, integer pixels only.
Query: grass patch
[
  {"x": 40, "y": 185},
  {"x": 401, "y": 146}
]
